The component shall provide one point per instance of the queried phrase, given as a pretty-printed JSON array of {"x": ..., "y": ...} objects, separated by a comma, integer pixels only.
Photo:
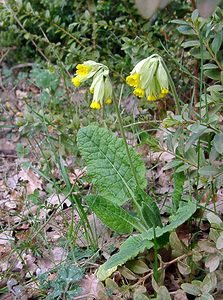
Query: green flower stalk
[{"x": 101, "y": 86}]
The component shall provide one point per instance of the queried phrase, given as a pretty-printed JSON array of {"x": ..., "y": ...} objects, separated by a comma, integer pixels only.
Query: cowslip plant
[
  {"x": 118, "y": 175},
  {"x": 101, "y": 87}
]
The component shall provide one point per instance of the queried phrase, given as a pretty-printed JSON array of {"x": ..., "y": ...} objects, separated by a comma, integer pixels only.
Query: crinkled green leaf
[
  {"x": 111, "y": 214},
  {"x": 108, "y": 165}
]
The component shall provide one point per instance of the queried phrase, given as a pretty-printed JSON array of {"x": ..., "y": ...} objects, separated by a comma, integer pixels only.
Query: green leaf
[
  {"x": 138, "y": 243},
  {"x": 217, "y": 41},
  {"x": 21, "y": 150},
  {"x": 111, "y": 214},
  {"x": 197, "y": 53},
  {"x": 192, "y": 43},
  {"x": 150, "y": 210},
  {"x": 195, "y": 136},
  {"x": 172, "y": 164},
  {"x": 218, "y": 142},
  {"x": 182, "y": 168},
  {"x": 209, "y": 66},
  {"x": 215, "y": 88},
  {"x": 137, "y": 266},
  {"x": 177, "y": 246},
  {"x": 195, "y": 15},
  {"x": 163, "y": 294},
  {"x": 151, "y": 215},
  {"x": 179, "y": 179},
  {"x": 192, "y": 156},
  {"x": 213, "y": 218},
  {"x": 186, "y": 29},
  {"x": 128, "y": 250},
  {"x": 190, "y": 289},
  {"x": 209, "y": 283},
  {"x": 213, "y": 74},
  {"x": 180, "y": 22},
  {"x": 181, "y": 216},
  {"x": 108, "y": 164},
  {"x": 208, "y": 171}
]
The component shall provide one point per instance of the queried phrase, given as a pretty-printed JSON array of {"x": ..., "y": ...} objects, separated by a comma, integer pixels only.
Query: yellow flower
[
  {"x": 149, "y": 78},
  {"x": 139, "y": 92},
  {"x": 76, "y": 81},
  {"x": 108, "y": 101},
  {"x": 133, "y": 80},
  {"x": 164, "y": 91},
  {"x": 151, "y": 98},
  {"x": 101, "y": 86},
  {"x": 83, "y": 69},
  {"x": 95, "y": 105}
]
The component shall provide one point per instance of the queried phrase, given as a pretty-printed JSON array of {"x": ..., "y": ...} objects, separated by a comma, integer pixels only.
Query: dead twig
[
  {"x": 25, "y": 65},
  {"x": 164, "y": 266}
]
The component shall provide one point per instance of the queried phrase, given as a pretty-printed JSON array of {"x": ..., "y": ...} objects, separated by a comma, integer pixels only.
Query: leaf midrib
[{"x": 106, "y": 157}]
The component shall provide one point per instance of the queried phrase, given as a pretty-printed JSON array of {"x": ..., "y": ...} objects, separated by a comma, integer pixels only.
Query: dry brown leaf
[
  {"x": 92, "y": 288},
  {"x": 21, "y": 94},
  {"x": 49, "y": 260},
  {"x": 31, "y": 266},
  {"x": 57, "y": 199},
  {"x": 77, "y": 174},
  {"x": 33, "y": 181}
]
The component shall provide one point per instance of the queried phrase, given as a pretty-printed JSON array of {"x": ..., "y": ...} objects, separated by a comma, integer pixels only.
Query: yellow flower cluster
[
  {"x": 149, "y": 78},
  {"x": 101, "y": 87}
]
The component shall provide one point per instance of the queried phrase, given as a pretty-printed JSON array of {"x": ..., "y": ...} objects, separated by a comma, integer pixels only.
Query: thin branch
[{"x": 164, "y": 266}]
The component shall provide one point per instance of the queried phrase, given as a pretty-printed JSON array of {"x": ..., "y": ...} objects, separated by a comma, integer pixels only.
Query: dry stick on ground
[
  {"x": 84, "y": 296},
  {"x": 165, "y": 265}
]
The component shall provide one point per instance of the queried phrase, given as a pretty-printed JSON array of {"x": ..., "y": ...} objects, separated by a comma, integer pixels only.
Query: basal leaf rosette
[
  {"x": 149, "y": 78},
  {"x": 101, "y": 86}
]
